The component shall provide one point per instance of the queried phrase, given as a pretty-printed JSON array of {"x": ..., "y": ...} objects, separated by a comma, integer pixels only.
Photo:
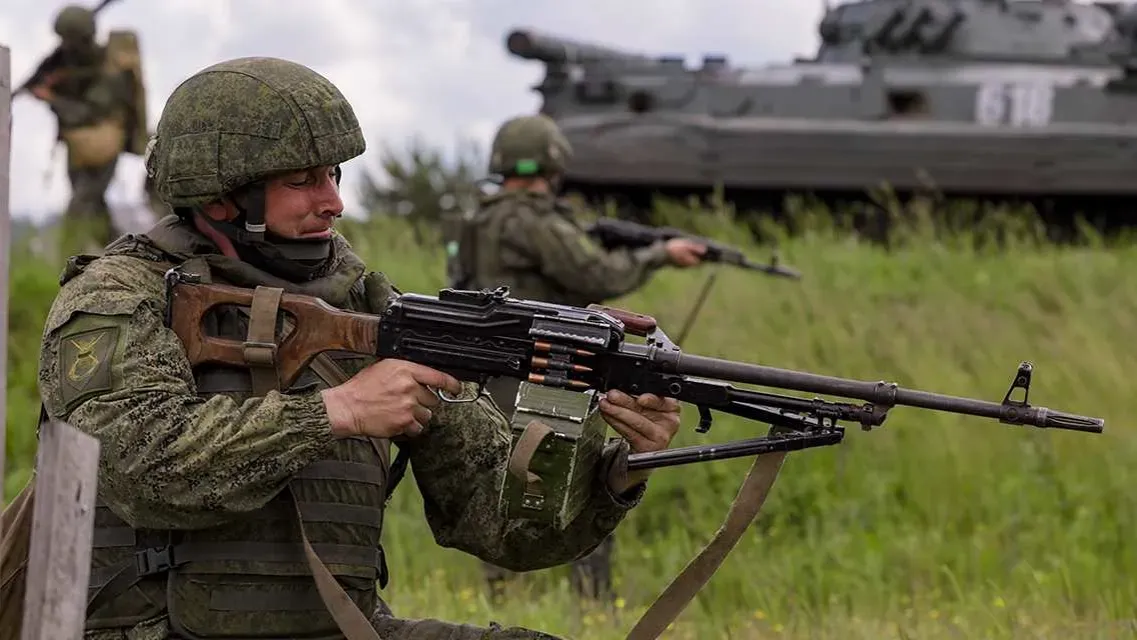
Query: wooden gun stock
[
  {"x": 636, "y": 324},
  {"x": 316, "y": 327}
]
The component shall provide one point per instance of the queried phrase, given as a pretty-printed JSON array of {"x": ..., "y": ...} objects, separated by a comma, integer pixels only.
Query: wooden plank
[
  {"x": 5, "y": 245},
  {"x": 59, "y": 560}
]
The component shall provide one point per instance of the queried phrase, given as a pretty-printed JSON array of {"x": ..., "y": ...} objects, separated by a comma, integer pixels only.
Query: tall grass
[{"x": 933, "y": 526}]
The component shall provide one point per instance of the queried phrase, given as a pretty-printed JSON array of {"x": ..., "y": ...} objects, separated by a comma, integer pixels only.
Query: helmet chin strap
[{"x": 293, "y": 259}]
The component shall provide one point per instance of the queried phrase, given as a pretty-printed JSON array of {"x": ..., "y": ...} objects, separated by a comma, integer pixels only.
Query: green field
[{"x": 934, "y": 526}]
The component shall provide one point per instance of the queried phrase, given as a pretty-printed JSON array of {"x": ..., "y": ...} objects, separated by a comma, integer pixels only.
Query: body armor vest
[
  {"x": 486, "y": 259},
  {"x": 250, "y": 577}
]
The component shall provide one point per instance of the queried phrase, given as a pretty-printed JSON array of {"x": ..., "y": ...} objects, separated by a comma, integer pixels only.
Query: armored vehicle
[{"x": 1031, "y": 99}]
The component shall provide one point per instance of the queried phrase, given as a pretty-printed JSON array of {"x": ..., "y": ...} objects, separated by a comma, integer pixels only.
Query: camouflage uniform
[
  {"x": 208, "y": 487},
  {"x": 95, "y": 102},
  {"x": 530, "y": 242}
]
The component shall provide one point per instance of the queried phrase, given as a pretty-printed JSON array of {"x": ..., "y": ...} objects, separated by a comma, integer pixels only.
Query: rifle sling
[
  {"x": 260, "y": 341},
  {"x": 354, "y": 624},
  {"x": 262, "y": 329},
  {"x": 531, "y": 438},
  {"x": 751, "y": 495}
]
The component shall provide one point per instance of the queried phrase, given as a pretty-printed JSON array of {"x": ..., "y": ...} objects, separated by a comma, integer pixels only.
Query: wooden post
[
  {"x": 59, "y": 559},
  {"x": 59, "y": 555},
  {"x": 5, "y": 247}
]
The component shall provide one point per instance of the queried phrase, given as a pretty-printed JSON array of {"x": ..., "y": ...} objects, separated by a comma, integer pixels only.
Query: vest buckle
[{"x": 154, "y": 560}]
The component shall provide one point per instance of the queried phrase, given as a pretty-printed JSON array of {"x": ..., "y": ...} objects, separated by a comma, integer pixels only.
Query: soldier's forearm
[
  {"x": 528, "y": 546},
  {"x": 462, "y": 505},
  {"x": 653, "y": 256},
  {"x": 171, "y": 462},
  {"x": 621, "y": 273}
]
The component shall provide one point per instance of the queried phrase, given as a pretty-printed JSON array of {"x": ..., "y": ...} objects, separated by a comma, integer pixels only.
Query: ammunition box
[{"x": 566, "y": 459}]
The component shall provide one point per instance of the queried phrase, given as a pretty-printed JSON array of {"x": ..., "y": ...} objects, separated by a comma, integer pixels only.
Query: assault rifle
[
  {"x": 54, "y": 61},
  {"x": 476, "y": 335},
  {"x": 613, "y": 233}
]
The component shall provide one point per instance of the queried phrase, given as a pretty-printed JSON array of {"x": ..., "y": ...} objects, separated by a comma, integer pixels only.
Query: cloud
[{"x": 435, "y": 69}]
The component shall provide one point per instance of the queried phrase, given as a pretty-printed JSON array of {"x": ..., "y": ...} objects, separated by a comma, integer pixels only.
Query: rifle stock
[{"x": 318, "y": 327}]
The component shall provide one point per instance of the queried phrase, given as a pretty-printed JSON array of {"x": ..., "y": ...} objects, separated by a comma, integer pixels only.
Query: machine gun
[
  {"x": 613, "y": 233},
  {"x": 54, "y": 61},
  {"x": 477, "y": 335}
]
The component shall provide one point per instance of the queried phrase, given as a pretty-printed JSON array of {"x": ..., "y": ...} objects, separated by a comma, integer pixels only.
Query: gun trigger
[
  {"x": 441, "y": 395},
  {"x": 704, "y": 420}
]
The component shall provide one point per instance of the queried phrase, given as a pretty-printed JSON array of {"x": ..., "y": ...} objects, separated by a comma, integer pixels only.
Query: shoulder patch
[{"x": 85, "y": 363}]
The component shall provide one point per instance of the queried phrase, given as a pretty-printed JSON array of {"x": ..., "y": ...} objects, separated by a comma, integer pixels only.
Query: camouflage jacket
[
  {"x": 530, "y": 243},
  {"x": 175, "y": 459}
]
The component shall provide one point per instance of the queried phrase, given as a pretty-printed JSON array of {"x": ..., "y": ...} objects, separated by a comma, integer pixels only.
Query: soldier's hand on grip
[
  {"x": 648, "y": 422},
  {"x": 387, "y": 399},
  {"x": 684, "y": 252}
]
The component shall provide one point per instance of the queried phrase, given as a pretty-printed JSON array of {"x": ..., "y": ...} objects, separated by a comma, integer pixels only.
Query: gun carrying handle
[
  {"x": 636, "y": 324},
  {"x": 319, "y": 327}
]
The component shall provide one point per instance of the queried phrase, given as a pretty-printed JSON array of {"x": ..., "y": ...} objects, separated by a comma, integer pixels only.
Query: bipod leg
[
  {"x": 675, "y": 598},
  {"x": 689, "y": 323}
]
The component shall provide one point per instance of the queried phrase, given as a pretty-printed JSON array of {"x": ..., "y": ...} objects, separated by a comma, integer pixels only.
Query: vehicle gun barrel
[{"x": 550, "y": 49}]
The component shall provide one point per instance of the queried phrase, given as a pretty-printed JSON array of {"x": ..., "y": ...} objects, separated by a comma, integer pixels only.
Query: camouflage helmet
[
  {"x": 529, "y": 146},
  {"x": 239, "y": 121},
  {"x": 75, "y": 24}
]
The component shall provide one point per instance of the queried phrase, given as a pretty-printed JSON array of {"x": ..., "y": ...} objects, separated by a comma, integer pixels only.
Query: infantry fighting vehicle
[{"x": 1032, "y": 99}]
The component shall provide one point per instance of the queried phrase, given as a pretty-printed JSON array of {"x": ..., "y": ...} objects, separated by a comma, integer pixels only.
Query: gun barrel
[
  {"x": 882, "y": 393},
  {"x": 772, "y": 268},
  {"x": 550, "y": 49}
]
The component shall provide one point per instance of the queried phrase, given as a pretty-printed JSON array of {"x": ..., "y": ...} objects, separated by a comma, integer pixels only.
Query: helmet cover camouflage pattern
[
  {"x": 75, "y": 24},
  {"x": 529, "y": 146},
  {"x": 242, "y": 120}
]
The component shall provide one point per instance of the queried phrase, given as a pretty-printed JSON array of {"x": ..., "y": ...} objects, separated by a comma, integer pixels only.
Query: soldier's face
[
  {"x": 303, "y": 204},
  {"x": 77, "y": 45}
]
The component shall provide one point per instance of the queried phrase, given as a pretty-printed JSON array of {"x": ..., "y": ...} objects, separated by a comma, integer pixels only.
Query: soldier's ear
[
  {"x": 220, "y": 210},
  {"x": 149, "y": 157}
]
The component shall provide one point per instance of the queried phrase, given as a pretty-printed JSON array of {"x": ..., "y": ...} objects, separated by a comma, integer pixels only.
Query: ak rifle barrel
[{"x": 881, "y": 393}]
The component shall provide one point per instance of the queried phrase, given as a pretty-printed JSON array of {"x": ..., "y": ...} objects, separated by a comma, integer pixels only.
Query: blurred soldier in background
[
  {"x": 524, "y": 238},
  {"x": 99, "y": 101}
]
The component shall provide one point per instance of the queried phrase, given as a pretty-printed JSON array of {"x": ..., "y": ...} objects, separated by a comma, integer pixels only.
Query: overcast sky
[{"x": 433, "y": 68}]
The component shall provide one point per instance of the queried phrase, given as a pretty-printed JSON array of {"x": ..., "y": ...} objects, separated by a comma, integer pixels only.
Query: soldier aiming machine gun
[{"x": 566, "y": 356}]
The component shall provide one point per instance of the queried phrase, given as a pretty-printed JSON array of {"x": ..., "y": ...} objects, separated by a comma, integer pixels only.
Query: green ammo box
[{"x": 565, "y": 460}]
